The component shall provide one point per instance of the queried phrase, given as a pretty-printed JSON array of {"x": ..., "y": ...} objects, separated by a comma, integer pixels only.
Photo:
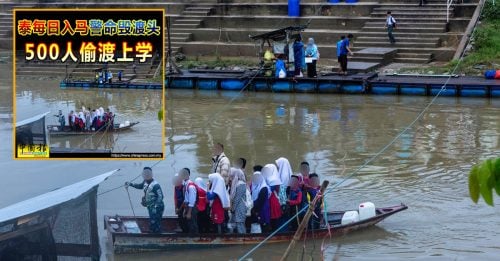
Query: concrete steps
[
  {"x": 384, "y": 38},
  {"x": 407, "y": 29},
  {"x": 403, "y": 14}
]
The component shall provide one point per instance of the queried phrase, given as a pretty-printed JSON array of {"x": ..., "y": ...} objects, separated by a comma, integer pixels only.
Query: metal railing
[{"x": 449, "y": 3}]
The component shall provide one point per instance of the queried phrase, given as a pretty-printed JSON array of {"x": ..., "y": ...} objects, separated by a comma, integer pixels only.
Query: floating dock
[
  {"x": 116, "y": 85},
  {"x": 361, "y": 83}
]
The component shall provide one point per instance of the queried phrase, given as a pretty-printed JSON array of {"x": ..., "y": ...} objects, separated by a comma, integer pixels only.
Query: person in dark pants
[
  {"x": 298, "y": 56},
  {"x": 390, "y": 24},
  {"x": 120, "y": 72},
  {"x": 152, "y": 199},
  {"x": 342, "y": 51},
  {"x": 190, "y": 196},
  {"x": 179, "y": 202},
  {"x": 347, "y": 47},
  {"x": 313, "y": 54}
]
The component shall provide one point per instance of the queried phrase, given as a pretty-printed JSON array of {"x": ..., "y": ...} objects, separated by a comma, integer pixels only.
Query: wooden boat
[
  {"x": 53, "y": 130},
  {"x": 130, "y": 234}
]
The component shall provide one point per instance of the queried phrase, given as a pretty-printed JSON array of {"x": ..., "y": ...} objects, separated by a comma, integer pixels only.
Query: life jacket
[{"x": 201, "y": 197}]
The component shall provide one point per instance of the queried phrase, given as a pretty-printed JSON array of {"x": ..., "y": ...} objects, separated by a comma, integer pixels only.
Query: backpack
[
  {"x": 201, "y": 197},
  {"x": 248, "y": 201}
]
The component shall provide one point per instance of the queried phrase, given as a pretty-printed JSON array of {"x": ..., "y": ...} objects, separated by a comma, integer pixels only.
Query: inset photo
[{"x": 88, "y": 83}]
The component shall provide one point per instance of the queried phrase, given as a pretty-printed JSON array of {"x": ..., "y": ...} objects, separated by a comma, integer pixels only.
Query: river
[{"x": 426, "y": 168}]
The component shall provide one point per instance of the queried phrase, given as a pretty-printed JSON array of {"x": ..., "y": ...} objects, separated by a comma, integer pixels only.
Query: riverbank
[{"x": 483, "y": 53}]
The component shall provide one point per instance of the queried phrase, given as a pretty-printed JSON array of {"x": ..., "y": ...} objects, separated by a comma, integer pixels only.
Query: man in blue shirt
[{"x": 342, "y": 51}]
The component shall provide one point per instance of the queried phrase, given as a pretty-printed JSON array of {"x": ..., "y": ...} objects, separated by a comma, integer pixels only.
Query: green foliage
[
  {"x": 483, "y": 179},
  {"x": 491, "y": 11},
  {"x": 160, "y": 115}
]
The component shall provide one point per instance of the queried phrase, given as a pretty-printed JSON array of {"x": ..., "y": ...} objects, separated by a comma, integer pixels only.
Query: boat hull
[
  {"x": 53, "y": 130},
  {"x": 125, "y": 242}
]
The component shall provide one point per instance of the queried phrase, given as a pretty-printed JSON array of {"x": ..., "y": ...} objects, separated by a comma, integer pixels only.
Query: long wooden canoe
[
  {"x": 130, "y": 234},
  {"x": 54, "y": 130}
]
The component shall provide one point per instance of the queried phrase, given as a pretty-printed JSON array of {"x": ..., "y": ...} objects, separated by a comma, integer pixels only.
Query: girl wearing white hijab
[
  {"x": 285, "y": 172},
  {"x": 238, "y": 198},
  {"x": 220, "y": 199},
  {"x": 203, "y": 216},
  {"x": 200, "y": 183},
  {"x": 270, "y": 172},
  {"x": 260, "y": 196}
]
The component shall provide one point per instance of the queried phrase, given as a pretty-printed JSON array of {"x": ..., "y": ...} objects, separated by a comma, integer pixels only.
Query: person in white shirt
[
  {"x": 390, "y": 24},
  {"x": 190, "y": 211}
]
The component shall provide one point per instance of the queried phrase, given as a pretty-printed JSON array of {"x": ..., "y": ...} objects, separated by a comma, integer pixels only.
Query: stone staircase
[
  {"x": 190, "y": 18},
  {"x": 417, "y": 32}
]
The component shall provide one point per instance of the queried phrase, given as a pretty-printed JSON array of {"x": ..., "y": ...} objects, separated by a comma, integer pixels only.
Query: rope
[
  {"x": 380, "y": 152},
  {"x": 208, "y": 122},
  {"x": 130, "y": 201}
]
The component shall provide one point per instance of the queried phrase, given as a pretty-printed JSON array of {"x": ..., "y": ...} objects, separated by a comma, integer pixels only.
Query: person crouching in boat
[
  {"x": 312, "y": 191},
  {"x": 203, "y": 215},
  {"x": 219, "y": 198},
  {"x": 179, "y": 201},
  {"x": 261, "y": 192},
  {"x": 238, "y": 191},
  {"x": 152, "y": 199},
  {"x": 294, "y": 202}
]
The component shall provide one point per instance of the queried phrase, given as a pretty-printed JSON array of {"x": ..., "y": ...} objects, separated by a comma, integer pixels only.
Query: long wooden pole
[{"x": 305, "y": 221}]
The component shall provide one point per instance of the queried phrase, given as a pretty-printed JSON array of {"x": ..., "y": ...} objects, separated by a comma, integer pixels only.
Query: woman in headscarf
[
  {"x": 311, "y": 52},
  {"x": 237, "y": 197},
  {"x": 270, "y": 173},
  {"x": 284, "y": 172},
  {"x": 203, "y": 216},
  {"x": 260, "y": 196},
  {"x": 220, "y": 200}
]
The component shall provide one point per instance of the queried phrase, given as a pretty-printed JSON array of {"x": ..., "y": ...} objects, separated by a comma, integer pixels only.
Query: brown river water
[{"x": 426, "y": 168}]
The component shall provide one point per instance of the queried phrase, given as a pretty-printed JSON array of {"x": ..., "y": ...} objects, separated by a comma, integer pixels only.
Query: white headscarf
[
  {"x": 238, "y": 178},
  {"x": 101, "y": 111},
  {"x": 258, "y": 185},
  {"x": 284, "y": 170},
  {"x": 81, "y": 116},
  {"x": 219, "y": 187},
  {"x": 200, "y": 183},
  {"x": 270, "y": 173}
]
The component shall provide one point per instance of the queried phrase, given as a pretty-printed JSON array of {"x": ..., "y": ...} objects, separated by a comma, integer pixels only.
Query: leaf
[
  {"x": 485, "y": 181},
  {"x": 474, "y": 184},
  {"x": 496, "y": 174},
  {"x": 160, "y": 115}
]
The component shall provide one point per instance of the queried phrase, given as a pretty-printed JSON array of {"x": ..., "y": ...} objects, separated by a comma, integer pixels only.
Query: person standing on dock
[
  {"x": 313, "y": 54},
  {"x": 152, "y": 199},
  {"x": 390, "y": 24},
  {"x": 298, "y": 57},
  {"x": 342, "y": 56},
  {"x": 220, "y": 161},
  {"x": 120, "y": 75}
]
